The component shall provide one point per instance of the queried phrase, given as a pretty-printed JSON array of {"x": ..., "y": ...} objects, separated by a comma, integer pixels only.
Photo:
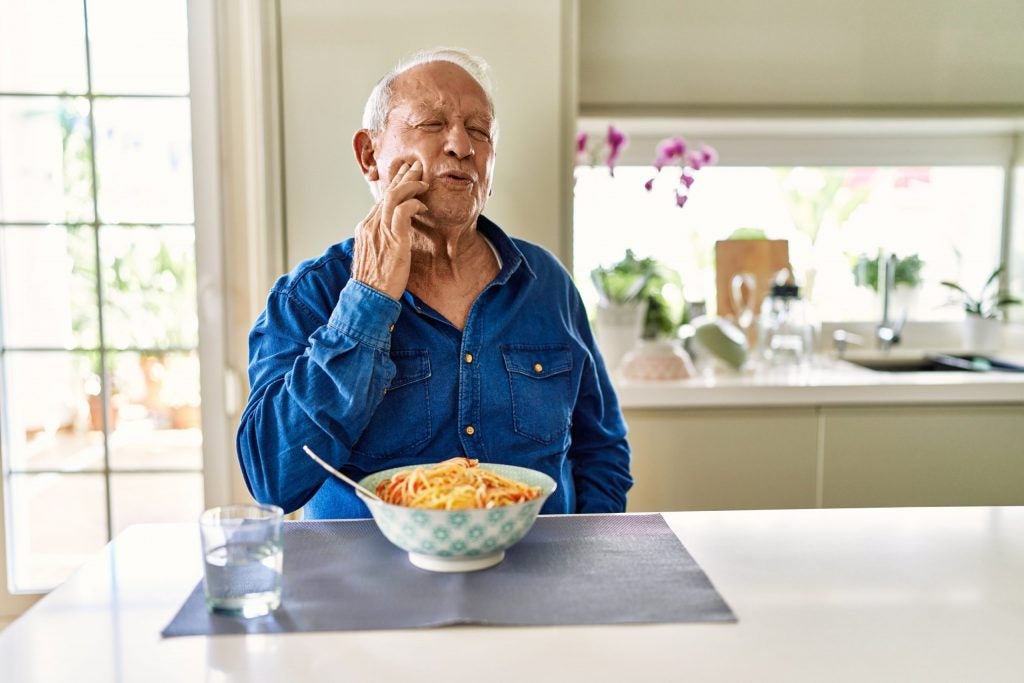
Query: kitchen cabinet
[
  {"x": 693, "y": 459},
  {"x": 923, "y": 456},
  {"x": 826, "y": 456}
]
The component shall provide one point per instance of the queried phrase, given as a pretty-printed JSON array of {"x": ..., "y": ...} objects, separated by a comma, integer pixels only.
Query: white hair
[{"x": 378, "y": 105}]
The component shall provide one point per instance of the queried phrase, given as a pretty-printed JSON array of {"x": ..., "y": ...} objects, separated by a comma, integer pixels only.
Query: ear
[{"x": 362, "y": 144}]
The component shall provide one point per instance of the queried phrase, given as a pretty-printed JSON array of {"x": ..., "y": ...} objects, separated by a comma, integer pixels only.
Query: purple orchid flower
[
  {"x": 675, "y": 151},
  {"x": 617, "y": 141},
  {"x": 709, "y": 155},
  {"x": 581, "y": 148},
  {"x": 699, "y": 158},
  {"x": 668, "y": 151},
  {"x": 671, "y": 148}
]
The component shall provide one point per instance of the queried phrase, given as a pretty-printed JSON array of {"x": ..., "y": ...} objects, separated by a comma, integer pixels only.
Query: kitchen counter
[
  {"x": 826, "y": 382},
  {"x": 832, "y": 434},
  {"x": 904, "y": 594}
]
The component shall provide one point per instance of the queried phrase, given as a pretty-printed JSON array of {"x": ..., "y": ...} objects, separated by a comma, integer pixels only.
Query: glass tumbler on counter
[{"x": 243, "y": 558}]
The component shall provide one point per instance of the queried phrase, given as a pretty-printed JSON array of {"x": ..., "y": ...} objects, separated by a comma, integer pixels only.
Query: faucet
[
  {"x": 842, "y": 338},
  {"x": 888, "y": 332}
]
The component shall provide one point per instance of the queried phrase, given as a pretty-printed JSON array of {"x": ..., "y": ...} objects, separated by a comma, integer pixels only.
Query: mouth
[{"x": 458, "y": 178}]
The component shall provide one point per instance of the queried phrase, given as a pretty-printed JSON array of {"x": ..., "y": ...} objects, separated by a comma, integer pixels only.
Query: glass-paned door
[{"x": 99, "y": 369}]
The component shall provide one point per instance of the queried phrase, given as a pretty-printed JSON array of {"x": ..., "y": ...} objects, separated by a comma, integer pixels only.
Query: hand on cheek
[{"x": 383, "y": 238}]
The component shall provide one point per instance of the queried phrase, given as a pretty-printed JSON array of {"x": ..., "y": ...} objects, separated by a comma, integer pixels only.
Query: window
[
  {"x": 99, "y": 371},
  {"x": 841, "y": 194}
]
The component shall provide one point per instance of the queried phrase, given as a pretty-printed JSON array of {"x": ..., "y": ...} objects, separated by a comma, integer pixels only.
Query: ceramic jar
[{"x": 657, "y": 360}]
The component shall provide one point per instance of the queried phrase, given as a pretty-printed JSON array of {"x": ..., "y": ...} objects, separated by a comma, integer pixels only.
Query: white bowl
[{"x": 458, "y": 540}]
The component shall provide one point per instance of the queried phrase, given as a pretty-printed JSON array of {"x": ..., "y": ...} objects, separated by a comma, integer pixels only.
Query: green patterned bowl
[{"x": 458, "y": 540}]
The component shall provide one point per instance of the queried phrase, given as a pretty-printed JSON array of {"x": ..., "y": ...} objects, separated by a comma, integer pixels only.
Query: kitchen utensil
[
  {"x": 744, "y": 289},
  {"x": 759, "y": 258},
  {"x": 351, "y": 482}
]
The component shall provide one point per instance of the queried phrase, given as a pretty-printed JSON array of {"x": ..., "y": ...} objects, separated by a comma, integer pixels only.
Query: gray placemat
[{"x": 576, "y": 569}]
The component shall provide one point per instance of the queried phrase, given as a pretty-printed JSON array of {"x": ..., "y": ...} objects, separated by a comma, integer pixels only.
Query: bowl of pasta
[{"x": 458, "y": 515}]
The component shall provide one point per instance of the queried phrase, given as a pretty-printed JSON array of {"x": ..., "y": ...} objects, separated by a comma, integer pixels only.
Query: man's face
[{"x": 440, "y": 116}]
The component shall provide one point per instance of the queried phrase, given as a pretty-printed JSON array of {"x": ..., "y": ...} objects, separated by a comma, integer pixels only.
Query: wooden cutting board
[{"x": 761, "y": 258}]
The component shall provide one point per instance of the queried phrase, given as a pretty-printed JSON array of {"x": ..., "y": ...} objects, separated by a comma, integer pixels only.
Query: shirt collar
[{"x": 511, "y": 257}]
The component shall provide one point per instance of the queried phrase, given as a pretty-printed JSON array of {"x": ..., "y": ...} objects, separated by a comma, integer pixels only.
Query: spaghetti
[{"x": 454, "y": 484}]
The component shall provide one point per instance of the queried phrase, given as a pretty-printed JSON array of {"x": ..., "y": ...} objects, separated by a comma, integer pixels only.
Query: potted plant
[
  {"x": 93, "y": 386},
  {"x": 983, "y": 312},
  {"x": 908, "y": 271},
  {"x": 641, "y": 283},
  {"x": 636, "y": 319}
]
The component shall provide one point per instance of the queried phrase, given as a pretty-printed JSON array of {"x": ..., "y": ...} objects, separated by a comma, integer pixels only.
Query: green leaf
[
  {"x": 989, "y": 301},
  {"x": 955, "y": 286}
]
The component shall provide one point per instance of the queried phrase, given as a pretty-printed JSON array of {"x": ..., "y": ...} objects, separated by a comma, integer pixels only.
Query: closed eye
[
  {"x": 431, "y": 126},
  {"x": 480, "y": 134}
]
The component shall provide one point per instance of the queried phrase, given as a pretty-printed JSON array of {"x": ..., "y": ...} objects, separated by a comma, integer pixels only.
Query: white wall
[
  {"x": 334, "y": 52},
  {"x": 688, "y": 55},
  {"x": 668, "y": 57}
]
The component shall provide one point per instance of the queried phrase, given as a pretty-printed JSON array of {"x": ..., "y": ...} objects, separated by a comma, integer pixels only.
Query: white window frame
[
  {"x": 12, "y": 604},
  {"x": 239, "y": 198},
  {"x": 850, "y": 141},
  {"x": 238, "y": 180}
]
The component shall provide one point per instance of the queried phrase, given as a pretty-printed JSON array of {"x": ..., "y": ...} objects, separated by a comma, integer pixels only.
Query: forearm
[
  {"x": 601, "y": 476},
  {"x": 321, "y": 392},
  {"x": 599, "y": 451}
]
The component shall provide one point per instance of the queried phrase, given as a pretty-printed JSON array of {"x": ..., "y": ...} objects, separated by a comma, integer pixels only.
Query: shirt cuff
[{"x": 365, "y": 314}]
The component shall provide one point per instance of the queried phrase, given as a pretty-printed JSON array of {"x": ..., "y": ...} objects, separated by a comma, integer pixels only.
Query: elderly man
[{"x": 432, "y": 333}]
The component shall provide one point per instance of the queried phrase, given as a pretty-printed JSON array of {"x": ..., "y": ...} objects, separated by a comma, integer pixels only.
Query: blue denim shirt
[{"x": 371, "y": 383}]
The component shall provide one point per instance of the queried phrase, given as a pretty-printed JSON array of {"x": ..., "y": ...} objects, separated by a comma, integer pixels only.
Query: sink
[
  {"x": 936, "y": 362},
  {"x": 905, "y": 365}
]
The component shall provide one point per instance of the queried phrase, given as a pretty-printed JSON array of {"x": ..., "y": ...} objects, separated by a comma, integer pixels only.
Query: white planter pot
[
  {"x": 982, "y": 334},
  {"x": 618, "y": 328}
]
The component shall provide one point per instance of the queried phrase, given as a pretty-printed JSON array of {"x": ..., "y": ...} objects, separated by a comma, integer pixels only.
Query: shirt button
[
  {"x": 537, "y": 367},
  {"x": 469, "y": 358},
  {"x": 470, "y": 431},
  {"x": 391, "y": 328}
]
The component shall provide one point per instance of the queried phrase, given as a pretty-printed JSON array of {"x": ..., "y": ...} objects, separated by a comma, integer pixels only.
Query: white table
[{"x": 930, "y": 594}]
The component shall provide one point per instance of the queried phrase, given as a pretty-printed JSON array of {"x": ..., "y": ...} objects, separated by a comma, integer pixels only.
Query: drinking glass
[{"x": 242, "y": 554}]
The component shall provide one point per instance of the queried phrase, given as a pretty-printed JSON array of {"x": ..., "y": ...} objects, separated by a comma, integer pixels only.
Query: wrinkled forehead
[{"x": 440, "y": 86}]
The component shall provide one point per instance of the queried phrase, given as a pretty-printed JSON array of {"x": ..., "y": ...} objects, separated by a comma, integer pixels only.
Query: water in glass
[{"x": 243, "y": 559}]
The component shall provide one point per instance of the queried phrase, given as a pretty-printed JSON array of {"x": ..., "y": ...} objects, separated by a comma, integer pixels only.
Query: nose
[{"x": 458, "y": 143}]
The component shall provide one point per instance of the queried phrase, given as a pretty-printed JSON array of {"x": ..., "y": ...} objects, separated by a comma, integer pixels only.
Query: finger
[
  {"x": 405, "y": 211},
  {"x": 367, "y": 226},
  {"x": 396, "y": 196},
  {"x": 406, "y": 190},
  {"x": 371, "y": 221},
  {"x": 415, "y": 171},
  {"x": 398, "y": 174},
  {"x": 408, "y": 186}
]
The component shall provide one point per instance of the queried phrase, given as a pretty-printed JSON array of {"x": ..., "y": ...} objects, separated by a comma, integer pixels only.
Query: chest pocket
[
  {"x": 540, "y": 382},
  {"x": 402, "y": 420}
]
